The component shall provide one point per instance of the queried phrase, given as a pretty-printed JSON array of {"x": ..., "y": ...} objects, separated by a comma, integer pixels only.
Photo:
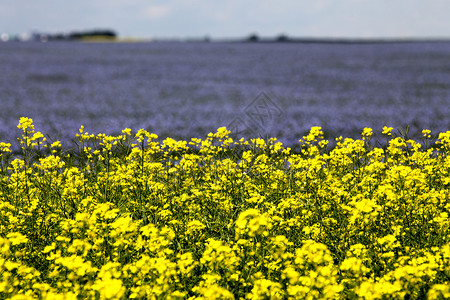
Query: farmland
[{"x": 136, "y": 216}]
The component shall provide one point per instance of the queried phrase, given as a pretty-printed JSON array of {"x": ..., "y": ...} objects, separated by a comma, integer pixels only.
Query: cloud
[
  {"x": 157, "y": 11},
  {"x": 321, "y": 4}
]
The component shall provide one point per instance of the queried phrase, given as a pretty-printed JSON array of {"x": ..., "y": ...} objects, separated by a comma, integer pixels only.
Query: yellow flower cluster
[{"x": 130, "y": 216}]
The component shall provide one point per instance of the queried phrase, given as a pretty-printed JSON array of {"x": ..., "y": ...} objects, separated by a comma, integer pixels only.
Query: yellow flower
[
  {"x": 25, "y": 123},
  {"x": 367, "y": 133},
  {"x": 387, "y": 130},
  {"x": 109, "y": 288},
  {"x": 252, "y": 222},
  {"x": 439, "y": 291},
  {"x": 5, "y": 147},
  {"x": 126, "y": 131},
  {"x": 426, "y": 133},
  {"x": 16, "y": 238},
  {"x": 266, "y": 289},
  {"x": 195, "y": 226}
]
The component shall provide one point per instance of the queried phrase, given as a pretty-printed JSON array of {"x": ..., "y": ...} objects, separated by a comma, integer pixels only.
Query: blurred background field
[{"x": 187, "y": 89}]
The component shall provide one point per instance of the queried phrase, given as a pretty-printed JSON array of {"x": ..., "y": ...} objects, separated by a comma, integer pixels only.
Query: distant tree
[
  {"x": 92, "y": 33},
  {"x": 253, "y": 38},
  {"x": 282, "y": 38}
]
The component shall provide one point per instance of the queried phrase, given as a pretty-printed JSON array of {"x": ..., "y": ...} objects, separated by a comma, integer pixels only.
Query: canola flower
[{"x": 132, "y": 217}]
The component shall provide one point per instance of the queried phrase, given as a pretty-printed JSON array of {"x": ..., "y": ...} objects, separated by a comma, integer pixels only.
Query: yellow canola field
[{"x": 130, "y": 216}]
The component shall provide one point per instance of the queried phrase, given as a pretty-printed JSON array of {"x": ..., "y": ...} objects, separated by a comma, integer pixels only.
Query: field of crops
[
  {"x": 134, "y": 216},
  {"x": 185, "y": 90}
]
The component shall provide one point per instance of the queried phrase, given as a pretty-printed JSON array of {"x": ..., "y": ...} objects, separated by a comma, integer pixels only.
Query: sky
[{"x": 232, "y": 18}]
